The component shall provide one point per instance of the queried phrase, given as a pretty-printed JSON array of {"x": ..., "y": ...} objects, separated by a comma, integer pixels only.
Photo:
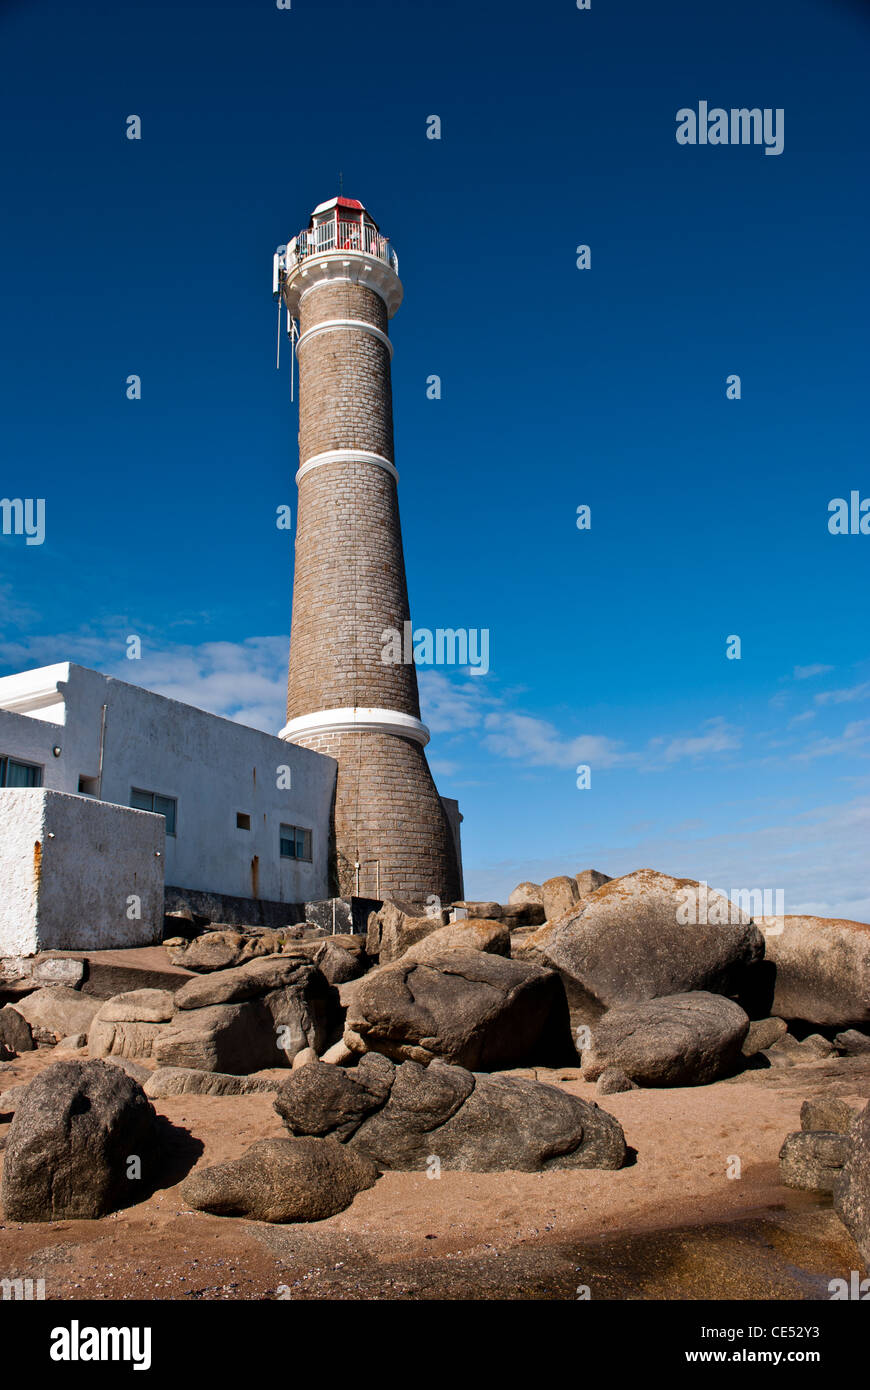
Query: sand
[{"x": 673, "y": 1224}]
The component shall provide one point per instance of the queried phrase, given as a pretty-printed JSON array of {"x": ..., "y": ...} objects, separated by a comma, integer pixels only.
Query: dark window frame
[
  {"x": 157, "y": 796},
  {"x": 6, "y": 759},
  {"x": 291, "y": 833}
]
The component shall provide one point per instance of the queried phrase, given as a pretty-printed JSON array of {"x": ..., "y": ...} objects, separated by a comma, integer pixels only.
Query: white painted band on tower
[
  {"x": 360, "y": 720},
  {"x": 329, "y": 324},
  {"x": 347, "y": 456}
]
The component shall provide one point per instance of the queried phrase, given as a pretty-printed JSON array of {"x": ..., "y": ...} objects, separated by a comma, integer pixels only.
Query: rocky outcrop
[
  {"x": 282, "y": 1180},
  {"x": 560, "y": 894},
  {"x": 644, "y": 936},
  {"x": 186, "y": 1081},
  {"x": 852, "y": 1190},
  {"x": 56, "y": 1011},
  {"x": 403, "y": 1116},
  {"x": 813, "y": 1160},
  {"x": 822, "y": 971},
  {"x": 677, "y": 1040},
  {"x": 478, "y": 1010},
  {"x": 391, "y": 931},
  {"x": 75, "y": 1131},
  {"x": 528, "y": 893},
  {"x": 471, "y": 934},
  {"x": 128, "y": 1024}
]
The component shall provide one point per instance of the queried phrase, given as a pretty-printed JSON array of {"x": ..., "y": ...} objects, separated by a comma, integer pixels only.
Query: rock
[
  {"x": 634, "y": 940},
  {"x": 522, "y": 916},
  {"x": 813, "y": 1161},
  {"x": 679, "y": 1040},
  {"x": 336, "y": 963},
  {"x": 215, "y": 950},
  {"x": 612, "y": 1081},
  {"x": 249, "y": 981},
  {"x": 10, "y": 1098},
  {"x": 391, "y": 931},
  {"x": 822, "y": 971},
  {"x": 763, "y": 1032},
  {"x": 818, "y": 1046},
  {"x": 320, "y": 1099},
  {"x": 302, "y": 1006},
  {"x": 227, "y": 947},
  {"x": 57, "y": 1011},
  {"x": 128, "y": 1025},
  {"x": 402, "y": 1116},
  {"x": 851, "y": 1042},
  {"x": 852, "y": 1190},
  {"x": 139, "y": 1006},
  {"x": 58, "y": 970},
  {"x": 186, "y": 1081},
  {"x": 488, "y": 912},
  {"x": 15, "y": 1030},
  {"x": 828, "y": 1113},
  {"x": 282, "y": 1180},
  {"x": 469, "y": 1007},
  {"x": 134, "y": 1069},
  {"x": 74, "y": 1130},
  {"x": 303, "y": 1058},
  {"x": 528, "y": 893},
  {"x": 589, "y": 881},
  {"x": 471, "y": 934},
  {"x": 236, "y": 1038},
  {"x": 73, "y": 1043},
  {"x": 560, "y": 895},
  {"x": 338, "y": 1055}
]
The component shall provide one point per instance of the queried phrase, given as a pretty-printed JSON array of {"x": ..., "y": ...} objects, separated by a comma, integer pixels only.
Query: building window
[
  {"x": 16, "y": 774},
  {"x": 295, "y": 842},
  {"x": 165, "y": 806},
  {"x": 243, "y": 821}
]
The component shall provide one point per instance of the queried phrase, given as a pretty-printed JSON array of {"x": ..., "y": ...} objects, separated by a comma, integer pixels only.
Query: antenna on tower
[{"x": 340, "y": 184}]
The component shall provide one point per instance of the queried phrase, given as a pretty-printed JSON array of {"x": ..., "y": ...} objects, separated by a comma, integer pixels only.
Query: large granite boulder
[
  {"x": 560, "y": 895},
  {"x": 528, "y": 893},
  {"x": 402, "y": 1116},
  {"x": 128, "y": 1024},
  {"x": 225, "y": 947},
  {"x": 236, "y": 1038},
  {"x": 15, "y": 1031},
  {"x": 479, "y": 1010},
  {"x": 472, "y": 934},
  {"x": 391, "y": 931},
  {"x": 75, "y": 1131},
  {"x": 56, "y": 1011},
  {"x": 852, "y": 1190},
  {"x": 282, "y": 1180},
  {"x": 635, "y": 939},
  {"x": 676, "y": 1040},
  {"x": 822, "y": 971},
  {"x": 813, "y": 1160}
]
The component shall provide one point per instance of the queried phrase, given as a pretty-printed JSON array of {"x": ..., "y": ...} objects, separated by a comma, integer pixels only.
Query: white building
[{"x": 246, "y": 814}]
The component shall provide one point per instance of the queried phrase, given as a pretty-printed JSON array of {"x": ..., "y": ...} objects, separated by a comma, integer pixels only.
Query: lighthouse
[{"x": 393, "y": 837}]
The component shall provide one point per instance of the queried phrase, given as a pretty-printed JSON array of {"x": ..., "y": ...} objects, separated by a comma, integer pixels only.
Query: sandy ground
[{"x": 673, "y": 1224}]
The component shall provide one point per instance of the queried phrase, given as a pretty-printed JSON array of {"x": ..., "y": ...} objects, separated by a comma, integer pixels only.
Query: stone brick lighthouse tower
[{"x": 393, "y": 837}]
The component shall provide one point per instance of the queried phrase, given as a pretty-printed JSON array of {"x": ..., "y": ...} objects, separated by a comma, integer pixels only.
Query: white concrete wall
[
  {"x": 213, "y": 767},
  {"x": 77, "y": 874}
]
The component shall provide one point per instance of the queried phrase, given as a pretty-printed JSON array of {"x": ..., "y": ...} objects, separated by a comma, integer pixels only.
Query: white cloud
[
  {"x": 718, "y": 737},
  {"x": 805, "y": 673},
  {"x": 535, "y": 741},
  {"x": 842, "y": 697}
]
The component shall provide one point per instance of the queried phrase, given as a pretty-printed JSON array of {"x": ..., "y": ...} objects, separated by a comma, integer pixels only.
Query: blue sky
[{"x": 561, "y": 387}]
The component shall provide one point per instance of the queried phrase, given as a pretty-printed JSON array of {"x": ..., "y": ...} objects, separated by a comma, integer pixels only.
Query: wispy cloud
[
  {"x": 805, "y": 673},
  {"x": 844, "y": 696},
  {"x": 539, "y": 743},
  {"x": 717, "y": 736}
]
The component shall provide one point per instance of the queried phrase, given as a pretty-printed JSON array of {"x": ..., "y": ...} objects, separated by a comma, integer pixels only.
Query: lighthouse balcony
[{"x": 337, "y": 234}]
